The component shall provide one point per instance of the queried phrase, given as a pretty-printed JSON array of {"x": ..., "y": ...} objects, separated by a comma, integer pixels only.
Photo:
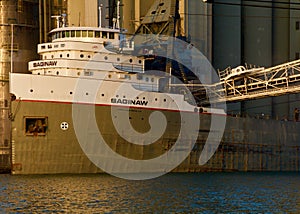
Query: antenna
[
  {"x": 100, "y": 15},
  {"x": 64, "y": 19},
  {"x": 118, "y": 15}
]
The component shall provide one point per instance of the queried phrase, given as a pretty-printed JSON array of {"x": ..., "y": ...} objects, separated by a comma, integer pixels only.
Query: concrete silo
[{"x": 18, "y": 38}]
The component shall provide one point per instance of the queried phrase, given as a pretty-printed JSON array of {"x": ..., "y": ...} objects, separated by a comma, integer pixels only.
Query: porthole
[
  {"x": 51, "y": 91},
  {"x": 152, "y": 79},
  {"x": 39, "y": 73},
  {"x": 102, "y": 95},
  {"x": 118, "y": 59},
  {"x": 155, "y": 99},
  {"x": 144, "y": 98},
  {"x": 52, "y": 56},
  {"x": 78, "y": 73},
  {"x": 68, "y": 55},
  {"x": 86, "y": 93},
  {"x": 165, "y": 100},
  {"x": 109, "y": 76},
  {"x": 130, "y": 60},
  {"x": 31, "y": 90},
  {"x": 106, "y": 58},
  {"x": 57, "y": 73},
  {"x": 61, "y": 56},
  {"x": 140, "y": 61},
  {"x": 81, "y": 55},
  {"x": 71, "y": 92},
  {"x": 89, "y": 56},
  {"x": 147, "y": 79}
]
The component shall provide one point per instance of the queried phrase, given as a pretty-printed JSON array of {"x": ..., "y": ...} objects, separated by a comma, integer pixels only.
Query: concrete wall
[
  {"x": 85, "y": 13},
  {"x": 294, "y": 33},
  {"x": 257, "y": 35},
  {"x": 198, "y": 25},
  {"x": 227, "y": 47},
  {"x": 133, "y": 11}
]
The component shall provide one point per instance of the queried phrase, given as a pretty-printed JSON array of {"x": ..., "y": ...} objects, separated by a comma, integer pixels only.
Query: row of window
[
  {"x": 89, "y": 56},
  {"x": 83, "y": 34},
  {"x": 103, "y": 95},
  {"x": 49, "y": 46}
]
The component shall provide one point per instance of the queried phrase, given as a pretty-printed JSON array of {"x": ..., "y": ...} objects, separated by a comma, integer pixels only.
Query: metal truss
[{"x": 244, "y": 83}]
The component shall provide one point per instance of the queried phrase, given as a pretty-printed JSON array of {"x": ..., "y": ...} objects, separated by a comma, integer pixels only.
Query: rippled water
[{"x": 177, "y": 193}]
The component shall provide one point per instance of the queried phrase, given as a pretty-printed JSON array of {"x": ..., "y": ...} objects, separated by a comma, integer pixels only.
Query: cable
[
  {"x": 258, "y": 6},
  {"x": 238, "y": 16}
]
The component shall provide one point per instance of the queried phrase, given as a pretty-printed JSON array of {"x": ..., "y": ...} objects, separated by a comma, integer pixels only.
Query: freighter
[{"x": 88, "y": 106}]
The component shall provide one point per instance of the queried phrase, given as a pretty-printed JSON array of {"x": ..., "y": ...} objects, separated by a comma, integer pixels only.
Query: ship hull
[{"x": 247, "y": 144}]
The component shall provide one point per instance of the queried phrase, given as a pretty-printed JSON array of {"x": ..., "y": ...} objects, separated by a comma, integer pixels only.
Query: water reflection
[{"x": 180, "y": 193}]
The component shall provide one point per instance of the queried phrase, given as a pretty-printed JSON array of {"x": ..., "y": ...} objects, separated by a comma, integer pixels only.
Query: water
[{"x": 173, "y": 193}]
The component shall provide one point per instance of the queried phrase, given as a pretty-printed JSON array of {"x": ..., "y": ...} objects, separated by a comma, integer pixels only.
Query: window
[
  {"x": 297, "y": 25},
  {"x": 91, "y": 33},
  {"x": 35, "y": 126},
  {"x": 72, "y": 33},
  {"x": 84, "y": 33},
  {"x": 104, "y": 35},
  {"x": 112, "y": 35},
  {"x": 88, "y": 73},
  {"x": 297, "y": 55},
  {"x": 97, "y": 34},
  {"x": 78, "y": 33}
]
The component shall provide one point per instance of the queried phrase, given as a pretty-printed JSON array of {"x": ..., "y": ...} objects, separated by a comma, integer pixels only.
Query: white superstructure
[{"x": 96, "y": 55}]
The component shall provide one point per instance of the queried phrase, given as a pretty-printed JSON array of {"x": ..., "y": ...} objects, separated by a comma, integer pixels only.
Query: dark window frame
[{"x": 35, "y": 126}]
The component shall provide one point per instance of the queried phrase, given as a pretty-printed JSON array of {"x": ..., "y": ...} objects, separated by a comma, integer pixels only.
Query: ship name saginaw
[
  {"x": 43, "y": 64},
  {"x": 129, "y": 102}
]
